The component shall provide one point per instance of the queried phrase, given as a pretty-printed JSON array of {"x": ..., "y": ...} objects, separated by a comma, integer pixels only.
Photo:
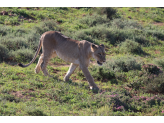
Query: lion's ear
[
  {"x": 93, "y": 47},
  {"x": 102, "y": 45}
]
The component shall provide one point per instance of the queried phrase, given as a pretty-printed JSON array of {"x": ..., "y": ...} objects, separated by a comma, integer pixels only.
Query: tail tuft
[{"x": 21, "y": 65}]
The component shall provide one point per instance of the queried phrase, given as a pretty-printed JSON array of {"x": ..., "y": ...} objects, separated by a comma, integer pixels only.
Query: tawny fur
[{"x": 78, "y": 53}]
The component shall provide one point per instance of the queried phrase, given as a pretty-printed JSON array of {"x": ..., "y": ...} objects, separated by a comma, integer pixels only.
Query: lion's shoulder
[{"x": 60, "y": 35}]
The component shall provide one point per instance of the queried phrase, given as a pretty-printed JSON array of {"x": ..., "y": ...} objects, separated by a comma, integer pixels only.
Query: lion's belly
[{"x": 67, "y": 58}]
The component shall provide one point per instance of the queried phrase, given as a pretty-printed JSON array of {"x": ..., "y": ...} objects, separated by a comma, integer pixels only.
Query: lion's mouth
[{"x": 99, "y": 63}]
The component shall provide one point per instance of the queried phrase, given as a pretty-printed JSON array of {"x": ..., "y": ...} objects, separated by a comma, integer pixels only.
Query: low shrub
[
  {"x": 3, "y": 52},
  {"x": 22, "y": 12},
  {"x": 22, "y": 55},
  {"x": 150, "y": 83},
  {"x": 94, "y": 34},
  {"x": 17, "y": 32},
  {"x": 55, "y": 8},
  {"x": 124, "y": 24},
  {"x": 150, "y": 79},
  {"x": 4, "y": 30},
  {"x": 102, "y": 33},
  {"x": 33, "y": 39},
  {"x": 123, "y": 63},
  {"x": 113, "y": 65},
  {"x": 151, "y": 69},
  {"x": 93, "y": 20},
  {"x": 116, "y": 32},
  {"x": 11, "y": 98},
  {"x": 101, "y": 73},
  {"x": 130, "y": 46},
  {"x": 155, "y": 84},
  {"x": 81, "y": 35},
  {"x": 143, "y": 102},
  {"x": 47, "y": 25},
  {"x": 159, "y": 62},
  {"x": 141, "y": 40},
  {"x": 119, "y": 100},
  {"x": 156, "y": 33},
  {"x": 17, "y": 42},
  {"x": 108, "y": 11}
]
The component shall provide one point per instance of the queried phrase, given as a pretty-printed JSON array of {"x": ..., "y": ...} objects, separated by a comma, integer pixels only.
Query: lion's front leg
[
  {"x": 89, "y": 78},
  {"x": 70, "y": 71}
]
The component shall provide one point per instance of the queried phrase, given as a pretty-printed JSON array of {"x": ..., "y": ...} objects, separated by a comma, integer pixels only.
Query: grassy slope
[{"x": 22, "y": 92}]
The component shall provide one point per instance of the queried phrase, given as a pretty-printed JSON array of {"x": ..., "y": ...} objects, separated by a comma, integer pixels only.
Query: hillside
[{"x": 131, "y": 80}]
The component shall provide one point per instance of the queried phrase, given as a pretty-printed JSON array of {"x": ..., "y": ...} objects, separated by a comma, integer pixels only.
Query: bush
[
  {"x": 3, "y": 52},
  {"x": 101, "y": 73},
  {"x": 123, "y": 63},
  {"x": 124, "y": 24},
  {"x": 159, "y": 62},
  {"x": 156, "y": 33},
  {"x": 22, "y": 55},
  {"x": 33, "y": 39},
  {"x": 130, "y": 46},
  {"x": 94, "y": 34},
  {"x": 20, "y": 31},
  {"x": 150, "y": 79},
  {"x": 141, "y": 40},
  {"x": 17, "y": 42},
  {"x": 115, "y": 35},
  {"x": 113, "y": 65},
  {"x": 122, "y": 100},
  {"x": 101, "y": 33},
  {"x": 4, "y": 30},
  {"x": 23, "y": 12},
  {"x": 151, "y": 83},
  {"x": 47, "y": 25},
  {"x": 151, "y": 69},
  {"x": 93, "y": 20},
  {"x": 155, "y": 84},
  {"x": 108, "y": 11},
  {"x": 56, "y": 8},
  {"x": 116, "y": 32},
  {"x": 81, "y": 35},
  {"x": 119, "y": 100}
]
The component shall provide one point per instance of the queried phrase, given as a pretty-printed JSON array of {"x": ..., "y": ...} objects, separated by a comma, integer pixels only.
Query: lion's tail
[{"x": 37, "y": 52}]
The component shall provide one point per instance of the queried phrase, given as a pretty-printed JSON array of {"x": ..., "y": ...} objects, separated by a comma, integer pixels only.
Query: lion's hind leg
[
  {"x": 38, "y": 66},
  {"x": 46, "y": 57}
]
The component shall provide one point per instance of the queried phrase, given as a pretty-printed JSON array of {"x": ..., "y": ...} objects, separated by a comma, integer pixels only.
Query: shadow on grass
[
  {"x": 143, "y": 53},
  {"x": 36, "y": 112}
]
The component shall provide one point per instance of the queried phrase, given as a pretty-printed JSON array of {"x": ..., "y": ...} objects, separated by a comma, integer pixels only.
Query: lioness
[{"x": 77, "y": 52}]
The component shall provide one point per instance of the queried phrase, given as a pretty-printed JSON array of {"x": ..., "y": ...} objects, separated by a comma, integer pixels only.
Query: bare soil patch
[
  {"x": 157, "y": 52},
  {"x": 21, "y": 74},
  {"x": 22, "y": 94},
  {"x": 158, "y": 23}
]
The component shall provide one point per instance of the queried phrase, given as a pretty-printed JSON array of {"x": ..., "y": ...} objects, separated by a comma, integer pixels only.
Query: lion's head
[{"x": 99, "y": 53}]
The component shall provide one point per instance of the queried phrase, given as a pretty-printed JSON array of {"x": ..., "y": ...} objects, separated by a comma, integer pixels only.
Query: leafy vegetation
[
  {"x": 131, "y": 79},
  {"x": 130, "y": 46}
]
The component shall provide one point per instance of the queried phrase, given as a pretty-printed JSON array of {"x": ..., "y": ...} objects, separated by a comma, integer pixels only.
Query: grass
[
  {"x": 124, "y": 78},
  {"x": 143, "y": 14}
]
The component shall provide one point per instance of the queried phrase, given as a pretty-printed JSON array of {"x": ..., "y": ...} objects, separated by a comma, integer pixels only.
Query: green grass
[
  {"x": 25, "y": 93},
  {"x": 143, "y": 14},
  {"x": 124, "y": 78}
]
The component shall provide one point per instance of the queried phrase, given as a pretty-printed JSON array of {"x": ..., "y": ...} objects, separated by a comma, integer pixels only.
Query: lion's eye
[{"x": 100, "y": 54}]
